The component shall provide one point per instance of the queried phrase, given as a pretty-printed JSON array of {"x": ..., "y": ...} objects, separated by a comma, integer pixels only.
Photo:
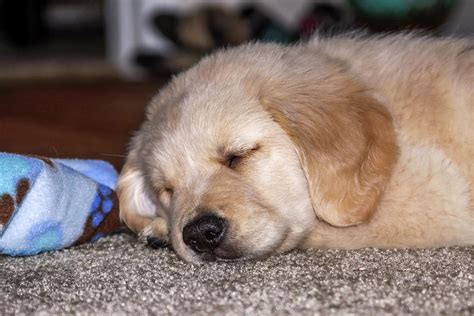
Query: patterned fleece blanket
[{"x": 49, "y": 204}]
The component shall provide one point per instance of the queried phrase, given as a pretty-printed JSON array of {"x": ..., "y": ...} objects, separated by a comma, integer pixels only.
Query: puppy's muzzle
[{"x": 204, "y": 234}]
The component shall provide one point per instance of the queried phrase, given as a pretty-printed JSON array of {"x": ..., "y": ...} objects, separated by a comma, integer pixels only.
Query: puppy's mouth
[{"x": 207, "y": 237}]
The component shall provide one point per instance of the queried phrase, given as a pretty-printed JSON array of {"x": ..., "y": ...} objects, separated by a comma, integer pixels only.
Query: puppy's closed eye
[{"x": 234, "y": 159}]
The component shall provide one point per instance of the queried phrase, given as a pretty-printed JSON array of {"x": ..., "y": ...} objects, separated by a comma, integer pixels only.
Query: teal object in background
[{"x": 386, "y": 14}]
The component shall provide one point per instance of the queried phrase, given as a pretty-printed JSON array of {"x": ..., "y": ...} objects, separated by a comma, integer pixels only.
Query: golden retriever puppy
[{"x": 345, "y": 142}]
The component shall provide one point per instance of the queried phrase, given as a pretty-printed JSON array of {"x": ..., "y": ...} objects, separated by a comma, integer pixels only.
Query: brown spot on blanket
[
  {"x": 7, "y": 206},
  {"x": 22, "y": 188},
  {"x": 109, "y": 225}
]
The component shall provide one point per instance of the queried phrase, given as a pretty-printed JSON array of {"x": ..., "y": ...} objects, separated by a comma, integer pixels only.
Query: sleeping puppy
[{"x": 345, "y": 142}]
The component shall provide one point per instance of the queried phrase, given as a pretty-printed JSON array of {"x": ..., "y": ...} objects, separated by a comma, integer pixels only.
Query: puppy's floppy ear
[
  {"x": 137, "y": 204},
  {"x": 345, "y": 141}
]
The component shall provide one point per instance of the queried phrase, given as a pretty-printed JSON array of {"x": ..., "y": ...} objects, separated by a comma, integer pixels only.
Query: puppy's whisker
[{"x": 114, "y": 155}]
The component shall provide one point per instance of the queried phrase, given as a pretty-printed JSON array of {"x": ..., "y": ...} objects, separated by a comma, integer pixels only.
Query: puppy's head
[{"x": 242, "y": 154}]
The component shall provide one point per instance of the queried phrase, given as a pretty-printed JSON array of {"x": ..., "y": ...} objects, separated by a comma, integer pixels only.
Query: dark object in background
[
  {"x": 264, "y": 28},
  {"x": 53, "y": 28},
  {"x": 211, "y": 27},
  {"x": 201, "y": 31},
  {"x": 193, "y": 35},
  {"x": 394, "y": 15},
  {"x": 22, "y": 21},
  {"x": 323, "y": 18},
  {"x": 204, "y": 29},
  {"x": 156, "y": 64}
]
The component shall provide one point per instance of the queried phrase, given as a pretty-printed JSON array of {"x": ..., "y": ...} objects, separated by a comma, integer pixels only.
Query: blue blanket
[{"x": 49, "y": 204}]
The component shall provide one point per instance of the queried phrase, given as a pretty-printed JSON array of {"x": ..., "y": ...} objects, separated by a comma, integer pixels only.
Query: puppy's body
[
  {"x": 427, "y": 85},
  {"x": 345, "y": 142}
]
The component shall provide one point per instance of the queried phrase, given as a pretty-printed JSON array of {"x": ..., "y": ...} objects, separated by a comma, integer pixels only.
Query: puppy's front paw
[{"x": 155, "y": 234}]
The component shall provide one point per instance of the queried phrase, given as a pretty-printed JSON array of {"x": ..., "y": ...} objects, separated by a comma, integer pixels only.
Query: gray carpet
[{"x": 119, "y": 275}]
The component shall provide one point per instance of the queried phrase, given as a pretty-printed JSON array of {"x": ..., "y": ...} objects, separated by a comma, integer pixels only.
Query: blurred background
[{"x": 75, "y": 75}]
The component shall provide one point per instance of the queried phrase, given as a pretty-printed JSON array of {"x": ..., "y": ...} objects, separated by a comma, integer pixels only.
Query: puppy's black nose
[{"x": 205, "y": 233}]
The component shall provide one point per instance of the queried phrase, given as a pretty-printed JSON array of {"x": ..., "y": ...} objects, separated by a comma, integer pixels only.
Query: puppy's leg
[
  {"x": 327, "y": 236},
  {"x": 138, "y": 208},
  {"x": 135, "y": 222},
  {"x": 155, "y": 233}
]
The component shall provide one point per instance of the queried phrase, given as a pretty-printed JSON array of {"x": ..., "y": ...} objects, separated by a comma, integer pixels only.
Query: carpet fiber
[{"x": 119, "y": 275}]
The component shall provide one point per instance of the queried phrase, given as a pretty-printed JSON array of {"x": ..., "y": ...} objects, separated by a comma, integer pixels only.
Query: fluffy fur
[{"x": 345, "y": 142}]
